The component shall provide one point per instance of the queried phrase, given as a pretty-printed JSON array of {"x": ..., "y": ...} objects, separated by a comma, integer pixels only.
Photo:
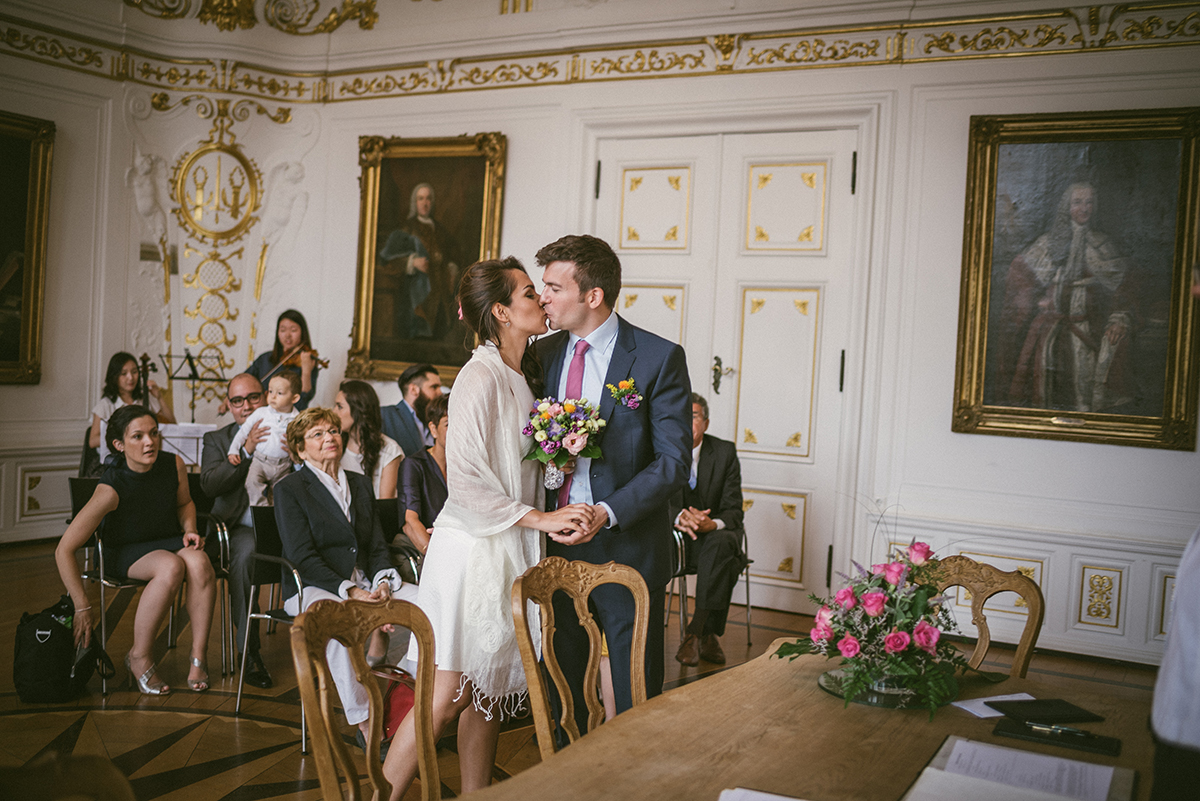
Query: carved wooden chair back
[
  {"x": 350, "y": 623},
  {"x": 983, "y": 581},
  {"x": 577, "y": 580}
]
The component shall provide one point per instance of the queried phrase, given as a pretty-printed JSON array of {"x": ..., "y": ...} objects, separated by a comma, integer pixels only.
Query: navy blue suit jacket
[
  {"x": 400, "y": 425},
  {"x": 647, "y": 451}
]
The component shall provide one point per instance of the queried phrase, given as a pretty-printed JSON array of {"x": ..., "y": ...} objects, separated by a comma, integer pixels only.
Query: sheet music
[
  {"x": 1065, "y": 777},
  {"x": 938, "y": 785},
  {"x": 185, "y": 439}
]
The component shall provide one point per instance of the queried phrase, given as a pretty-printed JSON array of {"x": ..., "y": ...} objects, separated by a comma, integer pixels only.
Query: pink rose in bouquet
[
  {"x": 919, "y": 553},
  {"x": 873, "y": 603},
  {"x": 575, "y": 442},
  {"x": 893, "y": 572},
  {"x": 820, "y": 632},
  {"x": 926, "y": 637},
  {"x": 849, "y": 646},
  {"x": 845, "y": 598},
  {"x": 824, "y": 616},
  {"x": 896, "y": 642}
]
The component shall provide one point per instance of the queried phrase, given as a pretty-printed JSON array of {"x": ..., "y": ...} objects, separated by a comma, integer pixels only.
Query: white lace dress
[{"x": 477, "y": 551}]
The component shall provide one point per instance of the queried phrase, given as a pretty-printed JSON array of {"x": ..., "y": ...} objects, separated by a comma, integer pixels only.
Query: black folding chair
[
  {"x": 82, "y": 490},
  {"x": 267, "y": 566},
  {"x": 403, "y": 553},
  {"x": 683, "y": 547}
]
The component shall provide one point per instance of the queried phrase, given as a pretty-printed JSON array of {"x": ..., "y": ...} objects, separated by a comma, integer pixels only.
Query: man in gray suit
[{"x": 226, "y": 485}]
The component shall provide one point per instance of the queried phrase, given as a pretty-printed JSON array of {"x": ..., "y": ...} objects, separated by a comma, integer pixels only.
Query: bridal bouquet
[
  {"x": 887, "y": 626},
  {"x": 562, "y": 431}
]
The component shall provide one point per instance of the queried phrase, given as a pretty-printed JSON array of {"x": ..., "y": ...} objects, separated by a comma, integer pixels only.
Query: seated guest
[
  {"x": 270, "y": 461},
  {"x": 292, "y": 353},
  {"x": 405, "y": 422},
  {"x": 368, "y": 450},
  {"x": 330, "y": 531},
  {"x": 423, "y": 488},
  {"x": 709, "y": 510},
  {"x": 150, "y": 534},
  {"x": 121, "y": 388},
  {"x": 225, "y": 483}
]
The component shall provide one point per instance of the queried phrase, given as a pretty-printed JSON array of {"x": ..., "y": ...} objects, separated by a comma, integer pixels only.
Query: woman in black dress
[{"x": 149, "y": 534}]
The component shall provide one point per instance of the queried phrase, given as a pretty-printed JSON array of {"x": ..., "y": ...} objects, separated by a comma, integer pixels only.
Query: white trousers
[{"x": 355, "y": 700}]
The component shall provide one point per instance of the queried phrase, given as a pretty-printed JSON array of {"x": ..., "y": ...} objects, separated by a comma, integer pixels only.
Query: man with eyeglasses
[{"x": 225, "y": 483}]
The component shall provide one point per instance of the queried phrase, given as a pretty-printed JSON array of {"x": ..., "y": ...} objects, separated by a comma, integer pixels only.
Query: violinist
[{"x": 293, "y": 352}]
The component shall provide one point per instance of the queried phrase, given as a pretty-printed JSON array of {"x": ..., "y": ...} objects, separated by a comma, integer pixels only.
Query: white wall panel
[
  {"x": 656, "y": 208},
  {"x": 658, "y": 308},
  {"x": 785, "y": 207}
]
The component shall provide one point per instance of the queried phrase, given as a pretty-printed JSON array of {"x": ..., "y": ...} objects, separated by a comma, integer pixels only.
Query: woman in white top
[
  {"x": 121, "y": 389},
  {"x": 368, "y": 450},
  {"x": 488, "y": 533}
]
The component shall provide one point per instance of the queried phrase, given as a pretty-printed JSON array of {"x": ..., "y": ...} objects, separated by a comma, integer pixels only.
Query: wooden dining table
[{"x": 766, "y": 725}]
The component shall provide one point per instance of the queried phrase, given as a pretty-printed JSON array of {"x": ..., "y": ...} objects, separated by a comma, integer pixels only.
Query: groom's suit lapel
[
  {"x": 619, "y": 367},
  {"x": 554, "y": 362}
]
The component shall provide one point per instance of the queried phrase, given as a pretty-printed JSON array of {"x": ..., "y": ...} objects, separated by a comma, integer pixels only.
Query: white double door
[{"x": 740, "y": 248}]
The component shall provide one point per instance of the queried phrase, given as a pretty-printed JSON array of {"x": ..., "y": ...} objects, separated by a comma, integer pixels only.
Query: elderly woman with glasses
[{"x": 331, "y": 533}]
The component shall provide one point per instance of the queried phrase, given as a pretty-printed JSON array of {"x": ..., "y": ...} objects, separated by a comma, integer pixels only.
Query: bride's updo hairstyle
[{"x": 483, "y": 285}]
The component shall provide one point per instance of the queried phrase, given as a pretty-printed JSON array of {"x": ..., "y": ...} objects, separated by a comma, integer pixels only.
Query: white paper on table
[
  {"x": 1066, "y": 777},
  {"x": 185, "y": 439},
  {"x": 743, "y": 794},
  {"x": 979, "y": 708},
  {"x": 938, "y": 785}
]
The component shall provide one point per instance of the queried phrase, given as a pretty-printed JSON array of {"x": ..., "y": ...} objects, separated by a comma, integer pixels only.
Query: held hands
[
  {"x": 566, "y": 521},
  {"x": 584, "y": 529},
  {"x": 693, "y": 521}
]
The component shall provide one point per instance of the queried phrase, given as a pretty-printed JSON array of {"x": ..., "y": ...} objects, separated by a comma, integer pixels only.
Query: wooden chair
[
  {"x": 683, "y": 544},
  {"x": 351, "y": 623},
  {"x": 577, "y": 579},
  {"x": 983, "y": 581}
]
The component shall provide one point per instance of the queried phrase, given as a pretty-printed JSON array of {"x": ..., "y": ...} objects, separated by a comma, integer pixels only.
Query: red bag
[{"x": 399, "y": 698}]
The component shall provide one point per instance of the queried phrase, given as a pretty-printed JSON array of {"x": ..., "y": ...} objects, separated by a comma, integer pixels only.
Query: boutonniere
[{"x": 626, "y": 393}]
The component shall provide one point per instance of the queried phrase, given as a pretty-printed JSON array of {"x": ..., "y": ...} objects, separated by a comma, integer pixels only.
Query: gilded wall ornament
[
  {"x": 228, "y": 15},
  {"x": 163, "y": 9}
]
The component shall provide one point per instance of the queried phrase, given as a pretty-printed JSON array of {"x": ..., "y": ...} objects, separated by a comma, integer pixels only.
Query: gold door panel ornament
[
  {"x": 655, "y": 199},
  {"x": 777, "y": 531},
  {"x": 785, "y": 566},
  {"x": 669, "y": 302},
  {"x": 746, "y": 504},
  {"x": 756, "y": 305},
  {"x": 789, "y": 509},
  {"x": 786, "y": 207},
  {"x": 666, "y": 320},
  {"x": 630, "y": 299},
  {"x": 794, "y": 440},
  {"x": 749, "y": 437}
]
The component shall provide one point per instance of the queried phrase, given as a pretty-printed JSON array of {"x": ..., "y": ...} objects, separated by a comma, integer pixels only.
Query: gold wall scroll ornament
[
  {"x": 23, "y": 266},
  {"x": 634, "y": 183},
  {"x": 794, "y": 440},
  {"x": 756, "y": 305},
  {"x": 785, "y": 566},
  {"x": 760, "y": 235},
  {"x": 163, "y": 9},
  {"x": 1044, "y": 32},
  {"x": 1006, "y": 154},
  {"x": 747, "y": 503},
  {"x": 669, "y": 302},
  {"x": 801, "y": 306},
  {"x": 1100, "y": 597},
  {"x": 673, "y": 180},
  {"x": 630, "y": 299},
  {"x": 631, "y": 234},
  {"x": 764, "y": 178},
  {"x": 672, "y": 234},
  {"x": 295, "y": 16},
  {"x": 228, "y": 15},
  {"x": 789, "y": 509},
  {"x": 748, "y": 436},
  {"x": 215, "y": 277},
  {"x": 515, "y": 6},
  {"x": 806, "y": 235}
]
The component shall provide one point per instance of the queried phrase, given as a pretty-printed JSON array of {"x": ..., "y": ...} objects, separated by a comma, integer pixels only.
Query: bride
[{"x": 488, "y": 533}]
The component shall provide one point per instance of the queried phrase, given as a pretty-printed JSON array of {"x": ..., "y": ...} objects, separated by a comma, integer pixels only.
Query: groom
[{"x": 647, "y": 446}]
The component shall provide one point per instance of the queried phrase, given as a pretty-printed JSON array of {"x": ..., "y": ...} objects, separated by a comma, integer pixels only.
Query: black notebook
[{"x": 1049, "y": 710}]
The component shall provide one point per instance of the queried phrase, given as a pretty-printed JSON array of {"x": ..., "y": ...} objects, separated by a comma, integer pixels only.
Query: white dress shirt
[{"x": 595, "y": 368}]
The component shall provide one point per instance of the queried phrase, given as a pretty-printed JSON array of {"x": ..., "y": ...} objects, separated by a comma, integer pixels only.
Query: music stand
[{"x": 184, "y": 369}]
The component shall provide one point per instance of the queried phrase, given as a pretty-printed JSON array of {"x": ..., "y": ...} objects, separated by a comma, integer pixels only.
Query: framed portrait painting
[
  {"x": 1076, "y": 319},
  {"x": 429, "y": 209},
  {"x": 26, "y": 149}
]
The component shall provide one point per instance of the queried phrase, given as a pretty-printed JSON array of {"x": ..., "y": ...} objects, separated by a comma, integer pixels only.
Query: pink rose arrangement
[
  {"x": 562, "y": 431},
  {"x": 887, "y": 623}
]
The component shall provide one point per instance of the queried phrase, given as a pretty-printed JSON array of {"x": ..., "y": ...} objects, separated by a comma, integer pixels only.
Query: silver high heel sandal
[
  {"x": 199, "y": 685},
  {"x": 143, "y": 682}
]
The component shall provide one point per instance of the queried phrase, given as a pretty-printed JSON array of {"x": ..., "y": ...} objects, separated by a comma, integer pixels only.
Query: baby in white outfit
[{"x": 271, "y": 459}]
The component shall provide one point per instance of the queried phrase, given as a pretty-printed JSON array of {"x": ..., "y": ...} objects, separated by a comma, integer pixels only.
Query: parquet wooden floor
[{"x": 190, "y": 746}]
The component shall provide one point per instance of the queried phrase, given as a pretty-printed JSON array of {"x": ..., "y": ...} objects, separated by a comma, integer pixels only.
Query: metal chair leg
[
  {"x": 103, "y": 636},
  {"x": 683, "y": 596},
  {"x": 237, "y": 708}
]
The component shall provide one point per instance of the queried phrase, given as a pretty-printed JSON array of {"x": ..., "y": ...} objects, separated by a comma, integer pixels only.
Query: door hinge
[
  {"x": 842, "y": 373},
  {"x": 597, "y": 180},
  {"x": 829, "y": 569},
  {"x": 853, "y": 171}
]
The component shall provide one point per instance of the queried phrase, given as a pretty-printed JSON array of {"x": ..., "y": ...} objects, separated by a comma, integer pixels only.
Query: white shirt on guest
[{"x": 388, "y": 452}]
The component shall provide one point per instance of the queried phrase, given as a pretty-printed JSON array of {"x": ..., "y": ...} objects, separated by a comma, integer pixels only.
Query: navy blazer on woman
[{"x": 318, "y": 539}]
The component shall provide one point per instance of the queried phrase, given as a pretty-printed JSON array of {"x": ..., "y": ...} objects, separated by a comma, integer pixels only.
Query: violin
[{"x": 293, "y": 358}]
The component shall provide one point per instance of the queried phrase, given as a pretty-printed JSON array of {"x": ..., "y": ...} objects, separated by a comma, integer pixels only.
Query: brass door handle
[{"x": 718, "y": 371}]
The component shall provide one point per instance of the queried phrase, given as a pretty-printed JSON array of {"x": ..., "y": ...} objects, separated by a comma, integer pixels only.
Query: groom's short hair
[{"x": 595, "y": 263}]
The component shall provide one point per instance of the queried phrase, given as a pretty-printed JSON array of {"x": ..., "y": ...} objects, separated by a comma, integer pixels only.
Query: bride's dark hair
[{"x": 484, "y": 284}]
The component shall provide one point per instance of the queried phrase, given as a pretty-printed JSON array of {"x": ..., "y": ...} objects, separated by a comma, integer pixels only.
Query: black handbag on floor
[{"x": 47, "y": 667}]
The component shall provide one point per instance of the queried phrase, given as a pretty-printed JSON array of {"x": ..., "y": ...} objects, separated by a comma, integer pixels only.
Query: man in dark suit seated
[
  {"x": 423, "y": 488},
  {"x": 405, "y": 422},
  {"x": 709, "y": 511},
  {"x": 226, "y": 485}
]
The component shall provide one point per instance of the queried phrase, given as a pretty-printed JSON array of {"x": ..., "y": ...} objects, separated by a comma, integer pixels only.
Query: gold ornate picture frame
[
  {"x": 429, "y": 209},
  {"x": 26, "y": 150},
  {"x": 1076, "y": 320}
]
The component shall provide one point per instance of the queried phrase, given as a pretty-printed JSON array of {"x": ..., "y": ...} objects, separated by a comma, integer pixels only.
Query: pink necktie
[{"x": 574, "y": 392}]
